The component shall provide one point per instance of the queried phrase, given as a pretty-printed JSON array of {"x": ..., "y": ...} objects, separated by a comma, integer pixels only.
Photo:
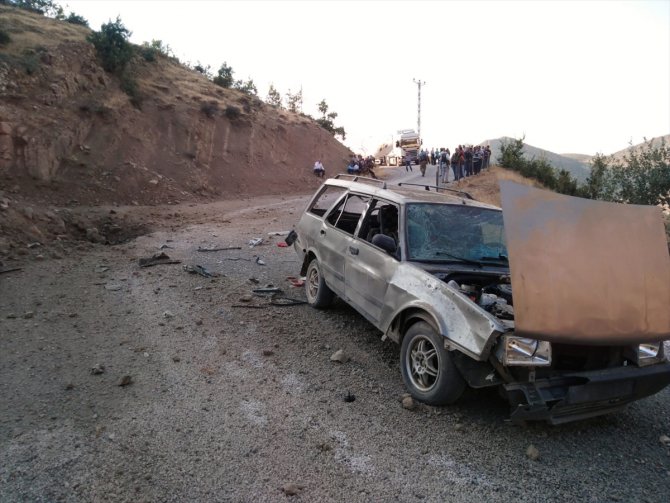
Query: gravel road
[{"x": 242, "y": 404}]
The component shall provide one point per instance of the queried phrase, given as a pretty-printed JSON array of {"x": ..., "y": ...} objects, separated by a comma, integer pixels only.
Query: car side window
[
  {"x": 381, "y": 219},
  {"x": 325, "y": 199},
  {"x": 347, "y": 213}
]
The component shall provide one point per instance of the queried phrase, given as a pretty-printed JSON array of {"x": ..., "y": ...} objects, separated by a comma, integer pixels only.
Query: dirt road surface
[{"x": 195, "y": 399}]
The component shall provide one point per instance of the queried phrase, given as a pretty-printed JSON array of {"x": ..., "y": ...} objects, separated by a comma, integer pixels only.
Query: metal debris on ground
[
  {"x": 255, "y": 242},
  {"x": 260, "y": 261},
  {"x": 349, "y": 397},
  {"x": 278, "y": 233},
  {"x": 290, "y": 239},
  {"x": 157, "y": 259},
  {"x": 268, "y": 291},
  {"x": 12, "y": 269},
  {"x": 200, "y": 249},
  {"x": 286, "y": 301},
  {"x": 198, "y": 269},
  {"x": 163, "y": 247}
]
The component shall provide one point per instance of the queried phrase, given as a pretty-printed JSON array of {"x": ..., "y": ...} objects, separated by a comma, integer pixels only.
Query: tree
[
  {"x": 326, "y": 121},
  {"x": 47, "y": 7},
  {"x": 73, "y": 18},
  {"x": 224, "y": 77},
  {"x": 294, "y": 101},
  {"x": 206, "y": 70},
  {"x": 247, "y": 87},
  {"x": 273, "y": 97},
  {"x": 111, "y": 44}
]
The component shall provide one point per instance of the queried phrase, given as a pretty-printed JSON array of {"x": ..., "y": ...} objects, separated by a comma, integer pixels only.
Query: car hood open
[{"x": 586, "y": 271}]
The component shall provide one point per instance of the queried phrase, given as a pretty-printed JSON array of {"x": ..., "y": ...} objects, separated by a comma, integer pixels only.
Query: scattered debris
[
  {"x": 532, "y": 453},
  {"x": 125, "y": 381},
  {"x": 97, "y": 369},
  {"x": 236, "y": 258},
  {"x": 254, "y": 281},
  {"x": 664, "y": 439},
  {"x": 282, "y": 244},
  {"x": 198, "y": 269},
  {"x": 157, "y": 259},
  {"x": 200, "y": 249},
  {"x": 265, "y": 291},
  {"x": 246, "y": 298},
  {"x": 339, "y": 356},
  {"x": 35, "y": 245},
  {"x": 260, "y": 261},
  {"x": 349, "y": 397},
  {"x": 278, "y": 233},
  {"x": 163, "y": 247},
  {"x": 268, "y": 352},
  {"x": 168, "y": 314},
  {"x": 255, "y": 242},
  {"x": 112, "y": 287},
  {"x": 292, "y": 489},
  {"x": 290, "y": 239},
  {"x": 102, "y": 268},
  {"x": 28, "y": 314},
  {"x": 296, "y": 282},
  {"x": 408, "y": 403},
  {"x": 12, "y": 269},
  {"x": 176, "y": 359},
  {"x": 69, "y": 386},
  {"x": 286, "y": 301}
]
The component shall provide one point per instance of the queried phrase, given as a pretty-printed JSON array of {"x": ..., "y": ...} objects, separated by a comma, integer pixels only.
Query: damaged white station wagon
[{"x": 563, "y": 303}]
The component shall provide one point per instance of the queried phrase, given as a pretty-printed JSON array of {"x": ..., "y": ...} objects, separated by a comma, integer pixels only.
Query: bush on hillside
[
  {"x": 73, "y": 18},
  {"x": 210, "y": 109},
  {"x": 129, "y": 86},
  {"x": 111, "y": 44},
  {"x": 512, "y": 157},
  {"x": 641, "y": 177},
  {"x": 4, "y": 37},
  {"x": 273, "y": 98},
  {"x": 232, "y": 112},
  {"x": 247, "y": 87},
  {"x": 224, "y": 77}
]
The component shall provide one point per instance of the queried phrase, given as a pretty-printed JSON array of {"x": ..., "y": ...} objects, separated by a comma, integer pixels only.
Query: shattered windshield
[{"x": 455, "y": 233}]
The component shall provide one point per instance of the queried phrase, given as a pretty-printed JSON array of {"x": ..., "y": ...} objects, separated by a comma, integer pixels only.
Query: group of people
[
  {"x": 465, "y": 161},
  {"x": 361, "y": 165}
]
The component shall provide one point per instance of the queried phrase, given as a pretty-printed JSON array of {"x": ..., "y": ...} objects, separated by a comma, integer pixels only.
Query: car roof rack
[
  {"x": 438, "y": 189},
  {"x": 361, "y": 179}
]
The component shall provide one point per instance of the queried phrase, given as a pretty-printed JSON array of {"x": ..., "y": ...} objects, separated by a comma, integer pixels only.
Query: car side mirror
[{"x": 386, "y": 243}]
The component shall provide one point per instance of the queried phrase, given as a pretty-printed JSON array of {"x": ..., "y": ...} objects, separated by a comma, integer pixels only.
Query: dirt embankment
[{"x": 69, "y": 136}]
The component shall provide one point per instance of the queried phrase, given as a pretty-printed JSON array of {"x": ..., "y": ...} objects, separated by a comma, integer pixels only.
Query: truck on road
[{"x": 405, "y": 143}]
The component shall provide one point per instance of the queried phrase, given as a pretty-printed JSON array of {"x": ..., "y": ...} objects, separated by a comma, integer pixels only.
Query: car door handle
[
  {"x": 353, "y": 251},
  {"x": 322, "y": 232}
]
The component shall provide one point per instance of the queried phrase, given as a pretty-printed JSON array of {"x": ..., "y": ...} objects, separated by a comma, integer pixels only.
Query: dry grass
[
  {"x": 31, "y": 31},
  {"x": 485, "y": 186}
]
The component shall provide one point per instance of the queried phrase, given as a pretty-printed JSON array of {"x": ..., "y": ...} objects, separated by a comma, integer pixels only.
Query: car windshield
[{"x": 455, "y": 233}]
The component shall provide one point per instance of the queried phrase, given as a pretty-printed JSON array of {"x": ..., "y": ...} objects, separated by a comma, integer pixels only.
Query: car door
[
  {"x": 335, "y": 236},
  {"x": 368, "y": 268}
]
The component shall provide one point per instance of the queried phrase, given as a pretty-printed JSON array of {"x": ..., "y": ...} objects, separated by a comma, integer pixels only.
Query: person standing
[{"x": 408, "y": 163}]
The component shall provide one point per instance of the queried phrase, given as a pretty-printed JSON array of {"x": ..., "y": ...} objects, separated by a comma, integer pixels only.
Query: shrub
[
  {"x": 232, "y": 112},
  {"x": 224, "y": 76},
  {"x": 4, "y": 37},
  {"x": 129, "y": 86},
  {"x": 111, "y": 44},
  {"x": 73, "y": 18},
  {"x": 210, "y": 109}
]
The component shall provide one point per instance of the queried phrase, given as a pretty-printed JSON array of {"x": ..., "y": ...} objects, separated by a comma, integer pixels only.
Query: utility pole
[{"x": 419, "y": 83}]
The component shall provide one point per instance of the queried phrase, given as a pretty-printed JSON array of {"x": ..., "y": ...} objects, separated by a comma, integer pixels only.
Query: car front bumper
[{"x": 579, "y": 395}]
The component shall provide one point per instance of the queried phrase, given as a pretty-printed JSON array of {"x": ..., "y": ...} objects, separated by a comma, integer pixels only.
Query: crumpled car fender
[{"x": 463, "y": 323}]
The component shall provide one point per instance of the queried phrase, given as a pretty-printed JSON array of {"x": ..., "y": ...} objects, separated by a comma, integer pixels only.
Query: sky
[{"x": 571, "y": 76}]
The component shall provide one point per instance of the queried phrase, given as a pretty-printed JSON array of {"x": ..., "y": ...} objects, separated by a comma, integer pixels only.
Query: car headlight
[{"x": 524, "y": 351}]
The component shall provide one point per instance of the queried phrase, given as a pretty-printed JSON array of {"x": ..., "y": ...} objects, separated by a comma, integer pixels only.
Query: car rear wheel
[
  {"x": 318, "y": 293},
  {"x": 427, "y": 368}
]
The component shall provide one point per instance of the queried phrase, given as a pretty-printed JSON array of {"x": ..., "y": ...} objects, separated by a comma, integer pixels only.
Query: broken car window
[
  {"x": 446, "y": 233},
  {"x": 381, "y": 219},
  {"x": 347, "y": 213},
  {"x": 325, "y": 199}
]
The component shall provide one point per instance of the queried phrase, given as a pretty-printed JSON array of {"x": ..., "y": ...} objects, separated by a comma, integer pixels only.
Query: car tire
[
  {"x": 319, "y": 295},
  {"x": 427, "y": 368}
]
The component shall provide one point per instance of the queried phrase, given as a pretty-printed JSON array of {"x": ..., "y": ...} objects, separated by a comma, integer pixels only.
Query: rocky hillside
[{"x": 69, "y": 134}]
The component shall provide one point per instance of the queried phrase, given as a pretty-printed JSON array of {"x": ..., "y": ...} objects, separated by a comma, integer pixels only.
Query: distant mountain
[
  {"x": 654, "y": 142},
  {"x": 584, "y": 158},
  {"x": 571, "y": 162}
]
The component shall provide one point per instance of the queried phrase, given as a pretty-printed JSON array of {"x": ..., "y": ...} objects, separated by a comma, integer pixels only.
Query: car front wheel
[
  {"x": 318, "y": 293},
  {"x": 427, "y": 368}
]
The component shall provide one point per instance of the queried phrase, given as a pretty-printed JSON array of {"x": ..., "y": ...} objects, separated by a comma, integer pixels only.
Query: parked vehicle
[
  {"x": 432, "y": 272},
  {"x": 406, "y": 143}
]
